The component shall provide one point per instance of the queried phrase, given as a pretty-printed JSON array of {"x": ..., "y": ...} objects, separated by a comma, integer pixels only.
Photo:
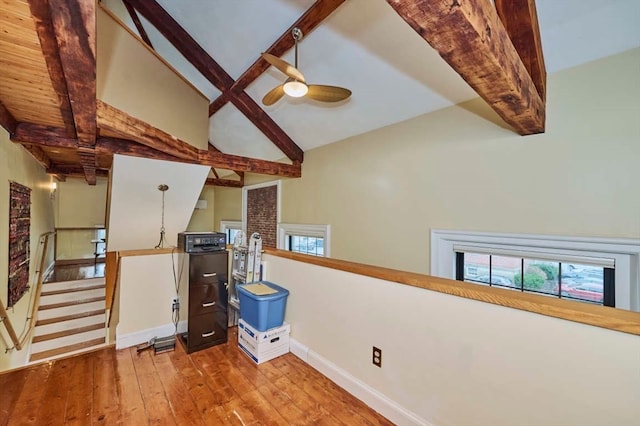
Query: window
[
  {"x": 307, "y": 239},
  {"x": 594, "y": 270},
  {"x": 230, "y": 228},
  {"x": 581, "y": 282}
]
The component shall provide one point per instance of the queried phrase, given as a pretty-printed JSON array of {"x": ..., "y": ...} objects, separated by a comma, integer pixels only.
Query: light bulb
[{"x": 295, "y": 88}]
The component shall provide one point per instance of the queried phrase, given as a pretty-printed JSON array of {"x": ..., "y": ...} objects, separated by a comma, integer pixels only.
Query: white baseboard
[
  {"x": 143, "y": 336},
  {"x": 298, "y": 349},
  {"x": 365, "y": 393}
]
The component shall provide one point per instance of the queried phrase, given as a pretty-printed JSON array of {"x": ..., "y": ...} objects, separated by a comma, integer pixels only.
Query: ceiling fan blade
[
  {"x": 284, "y": 66},
  {"x": 273, "y": 95},
  {"x": 327, "y": 93}
]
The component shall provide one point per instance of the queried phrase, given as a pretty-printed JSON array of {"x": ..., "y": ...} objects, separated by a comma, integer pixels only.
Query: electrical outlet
[{"x": 377, "y": 357}]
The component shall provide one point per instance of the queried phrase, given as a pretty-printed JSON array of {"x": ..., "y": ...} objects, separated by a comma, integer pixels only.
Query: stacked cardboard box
[{"x": 263, "y": 346}]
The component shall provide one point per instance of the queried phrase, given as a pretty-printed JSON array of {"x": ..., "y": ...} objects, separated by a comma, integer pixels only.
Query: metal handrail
[{"x": 18, "y": 343}]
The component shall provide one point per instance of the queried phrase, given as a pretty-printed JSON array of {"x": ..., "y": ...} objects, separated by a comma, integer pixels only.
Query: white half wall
[
  {"x": 135, "y": 215},
  {"x": 146, "y": 292},
  {"x": 454, "y": 361}
]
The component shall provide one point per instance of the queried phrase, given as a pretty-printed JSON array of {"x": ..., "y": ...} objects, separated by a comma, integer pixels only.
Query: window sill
[{"x": 599, "y": 316}]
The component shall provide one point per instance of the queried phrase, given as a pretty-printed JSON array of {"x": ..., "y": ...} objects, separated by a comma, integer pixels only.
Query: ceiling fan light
[{"x": 295, "y": 89}]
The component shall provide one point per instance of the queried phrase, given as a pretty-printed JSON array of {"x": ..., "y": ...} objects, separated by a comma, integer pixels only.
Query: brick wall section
[
  {"x": 262, "y": 214},
  {"x": 19, "y": 230}
]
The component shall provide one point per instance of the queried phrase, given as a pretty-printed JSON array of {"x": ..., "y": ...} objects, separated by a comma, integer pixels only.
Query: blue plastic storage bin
[{"x": 263, "y": 312}]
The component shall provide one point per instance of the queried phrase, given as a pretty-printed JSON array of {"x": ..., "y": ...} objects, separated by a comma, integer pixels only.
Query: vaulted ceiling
[{"x": 399, "y": 58}]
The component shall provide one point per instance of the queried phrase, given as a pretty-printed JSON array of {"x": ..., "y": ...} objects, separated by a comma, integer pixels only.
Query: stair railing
[{"x": 18, "y": 343}]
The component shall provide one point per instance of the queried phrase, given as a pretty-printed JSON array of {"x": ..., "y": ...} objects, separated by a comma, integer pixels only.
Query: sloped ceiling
[
  {"x": 379, "y": 49},
  {"x": 364, "y": 46}
]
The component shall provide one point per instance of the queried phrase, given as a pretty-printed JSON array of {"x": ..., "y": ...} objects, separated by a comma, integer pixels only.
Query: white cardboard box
[
  {"x": 260, "y": 336},
  {"x": 265, "y": 349}
]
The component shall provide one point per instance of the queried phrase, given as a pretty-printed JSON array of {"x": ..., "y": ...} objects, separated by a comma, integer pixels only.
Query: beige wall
[
  {"x": 81, "y": 205},
  {"x": 382, "y": 192},
  {"x": 228, "y": 205},
  {"x": 202, "y": 219},
  {"x": 149, "y": 90},
  {"x": 17, "y": 165},
  {"x": 454, "y": 361}
]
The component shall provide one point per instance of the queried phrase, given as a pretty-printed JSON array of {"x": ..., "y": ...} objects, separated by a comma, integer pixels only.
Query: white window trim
[
  {"x": 625, "y": 252},
  {"x": 230, "y": 224},
  {"x": 245, "y": 190},
  {"x": 321, "y": 231}
]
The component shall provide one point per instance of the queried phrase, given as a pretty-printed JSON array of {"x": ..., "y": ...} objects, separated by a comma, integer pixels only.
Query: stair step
[
  {"x": 70, "y": 324},
  {"x": 67, "y": 349},
  {"x": 71, "y": 317},
  {"x": 71, "y": 339},
  {"x": 71, "y": 290},
  {"x": 69, "y": 332},
  {"x": 76, "y": 284},
  {"x": 70, "y": 310},
  {"x": 70, "y": 303}
]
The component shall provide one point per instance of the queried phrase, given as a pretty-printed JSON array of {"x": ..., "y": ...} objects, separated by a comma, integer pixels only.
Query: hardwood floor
[{"x": 216, "y": 386}]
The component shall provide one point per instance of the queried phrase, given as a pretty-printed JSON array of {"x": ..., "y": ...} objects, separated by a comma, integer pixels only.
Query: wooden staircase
[{"x": 71, "y": 318}]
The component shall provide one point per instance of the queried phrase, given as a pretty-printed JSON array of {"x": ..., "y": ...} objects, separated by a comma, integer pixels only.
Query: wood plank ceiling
[{"x": 48, "y": 87}]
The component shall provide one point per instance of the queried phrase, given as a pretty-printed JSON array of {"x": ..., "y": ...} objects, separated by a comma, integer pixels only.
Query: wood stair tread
[
  {"x": 70, "y": 303},
  {"x": 64, "y": 333},
  {"x": 71, "y": 290},
  {"x": 58, "y": 351},
  {"x": 70, "y": 317}
]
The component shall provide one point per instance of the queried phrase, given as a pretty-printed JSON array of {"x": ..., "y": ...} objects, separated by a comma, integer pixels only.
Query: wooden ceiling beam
[
  {"x": 244, "y": 164},
  {"x": 473, "y": 41},
  {"x": 44, "y": 26},
  {"x": 7, "y": 120},
  {"x": 229, "y": 183},
  {"x": 213, "y": 72},
  {"x": 520, "y": 19},
  {"x": 119, "y": 122},
  {"x": 182, "y": 41},
  {"x": 39, "y": 155},
  {"x": 110, "y": 146},
  {"x": 317, "y": 13},
  {"x": 74, "y": 24},
  {"x": 136, "y": 21},
  {"x": 73, "y": 171},
  {"x": 266, "y": 125},
  {"x": 128, "y": 127},
  {"x": 36, "y": 134}
]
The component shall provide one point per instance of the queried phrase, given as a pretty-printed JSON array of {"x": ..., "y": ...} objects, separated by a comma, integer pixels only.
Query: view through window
[
  {"x": 306, "y": 245},
  {"x": 586, "y": 283}
]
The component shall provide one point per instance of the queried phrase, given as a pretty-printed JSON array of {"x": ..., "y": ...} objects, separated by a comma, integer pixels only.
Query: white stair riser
[
  {"x": 67, "y": 340},
  {"x": 66, "y": 285},
  {"x": 70, "y": 297},
  {"x": 70, "y": 310},
  {"x": 41, "y": 330}
]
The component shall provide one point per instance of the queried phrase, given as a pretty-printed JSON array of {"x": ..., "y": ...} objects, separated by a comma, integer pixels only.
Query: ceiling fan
[{"x": 296, "y": 86}]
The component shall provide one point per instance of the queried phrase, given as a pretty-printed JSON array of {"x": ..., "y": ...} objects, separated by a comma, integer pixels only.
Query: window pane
[
  {"x": 505, "y": 271},
  {"x": 306, "y": 245},
  {"x": 476, "y": 267},
  {"x": 231, "y": 235},
  {"x": 541, "y": 276},
  {"x": 582, "y": 282}
]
